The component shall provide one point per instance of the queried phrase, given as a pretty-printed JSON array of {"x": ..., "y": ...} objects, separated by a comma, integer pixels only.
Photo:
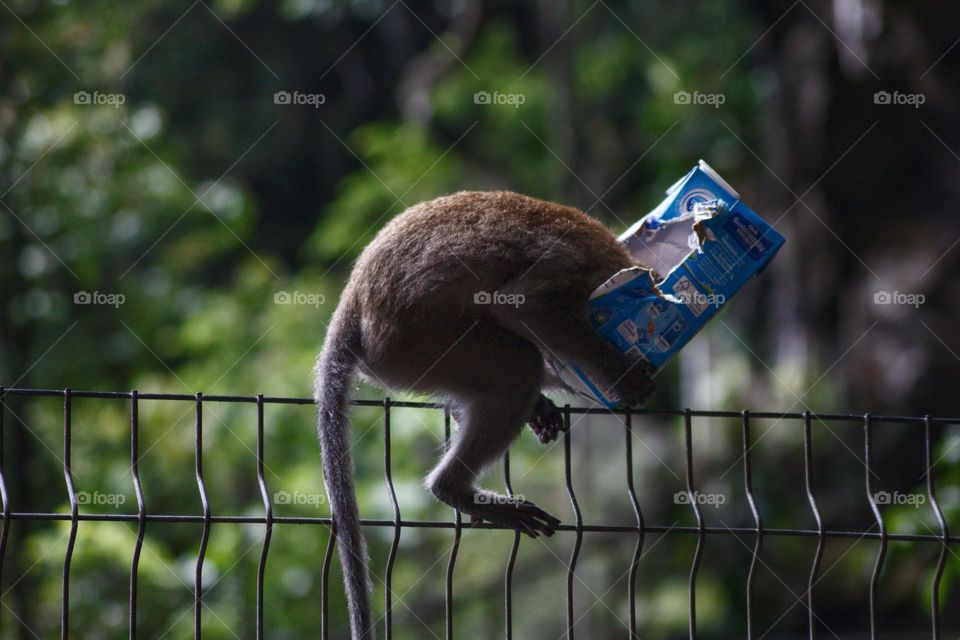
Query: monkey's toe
[
  {"x": 522, "y": 515},
  {"x": 532, "y": 509}
]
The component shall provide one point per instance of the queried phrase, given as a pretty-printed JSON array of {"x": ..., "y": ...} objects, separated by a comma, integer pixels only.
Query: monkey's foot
[
  {"x": 547, "y": 420},
  {"x": 513, "y": 512},
  {"x": 636, "y": 385}
]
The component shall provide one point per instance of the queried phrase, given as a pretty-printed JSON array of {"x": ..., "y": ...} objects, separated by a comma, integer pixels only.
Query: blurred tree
[{"x": 147, "y": 162}]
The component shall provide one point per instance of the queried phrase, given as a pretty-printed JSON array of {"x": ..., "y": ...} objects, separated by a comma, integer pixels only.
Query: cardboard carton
[{"x": 702, "y": 245}]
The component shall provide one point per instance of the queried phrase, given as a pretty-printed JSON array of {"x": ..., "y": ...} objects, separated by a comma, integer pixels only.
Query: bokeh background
[{"x": 174, "y": 174}]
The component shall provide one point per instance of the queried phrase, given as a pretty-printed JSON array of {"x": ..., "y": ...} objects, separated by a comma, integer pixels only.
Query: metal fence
[{"x": 760, "y": 533}]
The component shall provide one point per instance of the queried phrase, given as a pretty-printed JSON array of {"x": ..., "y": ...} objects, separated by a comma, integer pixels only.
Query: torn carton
[{"x": 702, "y": 244}]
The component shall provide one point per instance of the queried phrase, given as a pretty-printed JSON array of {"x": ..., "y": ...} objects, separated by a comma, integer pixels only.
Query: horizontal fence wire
[{"x": 760, "y": 533}]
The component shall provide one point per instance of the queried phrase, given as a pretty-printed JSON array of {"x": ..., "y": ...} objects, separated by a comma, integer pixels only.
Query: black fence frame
[{"x": 578, "y": 528}]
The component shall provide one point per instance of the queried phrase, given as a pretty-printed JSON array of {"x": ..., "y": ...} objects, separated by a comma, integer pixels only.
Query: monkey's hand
[
  {"x": 636, "y": 385},
  {"x": 546, "y": 420}
]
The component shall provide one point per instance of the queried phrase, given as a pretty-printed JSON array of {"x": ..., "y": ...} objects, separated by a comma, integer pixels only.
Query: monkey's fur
[{"x": 408, "y": 319}]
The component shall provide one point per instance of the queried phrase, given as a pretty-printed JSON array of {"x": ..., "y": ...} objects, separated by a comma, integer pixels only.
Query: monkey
[{"x": 417, "y": 314}]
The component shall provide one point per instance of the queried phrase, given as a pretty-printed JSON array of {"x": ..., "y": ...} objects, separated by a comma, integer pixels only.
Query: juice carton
[{"x": 702, "y": 245}]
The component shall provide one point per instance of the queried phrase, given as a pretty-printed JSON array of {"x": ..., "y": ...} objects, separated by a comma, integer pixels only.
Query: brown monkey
[{"x": 461, "y": 297}]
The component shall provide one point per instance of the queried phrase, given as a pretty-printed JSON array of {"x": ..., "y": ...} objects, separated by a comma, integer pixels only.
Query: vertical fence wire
[
  {"x": 944, "y": 532},
  {"x": 207, "y": 513},
  {"x": 388, "y": 476},
  {"x": 692, "y": 495},
  {"x": 325, "y": 580},
  {"x": 141, "y": 506},
  {"x": 268, "y": 514},
  {"x": 74, "y": 513},
  {"x": 758, "y": 521},
  {"x": 882, "y": 552},
  {"x": 634, "y": 562},
  {"x": 821, "y": 538},
  {"x": 4, "y": 496},
  {"x": 579, "y": 519},
  {"x": 448, "y": 594},
  {"x": 511, "y": 562},
  {"x": 325, "y": 584}
]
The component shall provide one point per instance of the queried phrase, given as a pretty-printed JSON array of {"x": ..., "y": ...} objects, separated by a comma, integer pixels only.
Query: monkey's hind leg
[
  {"x": 487, "y": 425},
  {"x": 491, "y": 403}
]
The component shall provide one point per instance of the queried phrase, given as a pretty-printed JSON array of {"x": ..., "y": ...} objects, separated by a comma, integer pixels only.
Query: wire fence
[{"x": 760, "y": 533}]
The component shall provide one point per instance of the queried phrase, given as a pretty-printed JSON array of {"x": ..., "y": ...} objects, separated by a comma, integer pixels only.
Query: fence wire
[{"x": 701, "y": 531}]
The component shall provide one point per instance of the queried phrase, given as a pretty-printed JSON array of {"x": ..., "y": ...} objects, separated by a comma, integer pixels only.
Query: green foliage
[
  {"x": 185, "y": 201},
  {"x": 402, "y": 169}
]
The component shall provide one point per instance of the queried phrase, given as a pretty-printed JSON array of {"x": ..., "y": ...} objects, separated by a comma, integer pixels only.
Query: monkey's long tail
[{"x": 334, "y": 377}]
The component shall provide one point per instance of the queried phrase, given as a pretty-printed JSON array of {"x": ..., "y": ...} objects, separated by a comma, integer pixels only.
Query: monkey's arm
[{"x": 562, "y": 331}]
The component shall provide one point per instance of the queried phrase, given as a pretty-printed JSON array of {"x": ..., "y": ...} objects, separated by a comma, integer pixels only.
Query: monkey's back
[{"x": 439, "y": 254}]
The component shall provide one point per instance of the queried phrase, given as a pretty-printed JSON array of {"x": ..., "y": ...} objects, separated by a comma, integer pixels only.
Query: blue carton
[{"x": 702, "y": 245}]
